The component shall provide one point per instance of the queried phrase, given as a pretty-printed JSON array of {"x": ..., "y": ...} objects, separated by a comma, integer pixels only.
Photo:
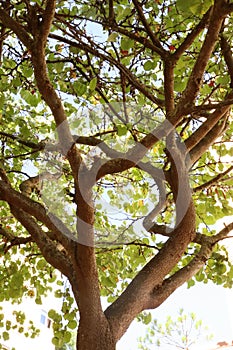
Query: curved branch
[
  {"x": 158, "y": 176},
  {"x": 136, "y": 153}
]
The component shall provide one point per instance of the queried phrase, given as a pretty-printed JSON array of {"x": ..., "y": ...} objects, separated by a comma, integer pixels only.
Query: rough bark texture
[{"x": 100, "y": 330}]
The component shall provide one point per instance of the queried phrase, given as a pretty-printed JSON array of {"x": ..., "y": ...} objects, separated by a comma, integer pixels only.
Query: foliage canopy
[{"x": 123, "y": 199}]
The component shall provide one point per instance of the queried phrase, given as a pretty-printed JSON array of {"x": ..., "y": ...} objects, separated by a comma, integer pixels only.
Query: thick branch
[
  {"x": 192, "y": 35},
  {"x": 169, "y": 84},
  {"x": 194, "y": 83},
  {"x": 48, "y": 248},
  {"x": 16, "y": 199},
  {"x": 16, "y": 28},
  {"x": 135, "y": 298},
  {"x": 47, "y": 19},
  {"x": 161, "y": 293}
]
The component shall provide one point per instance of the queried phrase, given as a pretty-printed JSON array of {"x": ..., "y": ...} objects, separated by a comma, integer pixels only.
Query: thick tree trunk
[{"x": 95, "y": 337}]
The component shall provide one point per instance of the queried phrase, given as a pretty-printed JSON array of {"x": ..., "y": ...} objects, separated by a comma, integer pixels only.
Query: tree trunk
[{"x": 95, "y": 337}]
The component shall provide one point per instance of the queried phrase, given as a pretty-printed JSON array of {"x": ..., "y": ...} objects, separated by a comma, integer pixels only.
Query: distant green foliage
[{"x": 180, "y": 333}]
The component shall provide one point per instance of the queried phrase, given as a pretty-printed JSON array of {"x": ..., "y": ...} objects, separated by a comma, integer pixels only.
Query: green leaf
[
  {"x": 2, "y": 100},
  {"x": 190, "y": 283},
  {"x": 113, "y": 37},
  {"x": 147, "y": 318},
  {"x": 127, "y": 44},
  {"x": 28, "y": 72},
  {"x": 5, "y": 335},
  {"x": 122, "y": 129},
  {"x": 41, "y": 264},
  {"x": 80, "y": 88},
  {"x": 148, "y": 65},
  {"x": 56, "y": 341},
  {"x": 66, "y": 337},
  {"x": 72, "y": 324},
  {"x": 93, "y": 83}
]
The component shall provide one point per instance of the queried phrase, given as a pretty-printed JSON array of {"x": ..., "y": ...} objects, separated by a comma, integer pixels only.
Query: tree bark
[{"x": 96, "y": 335}]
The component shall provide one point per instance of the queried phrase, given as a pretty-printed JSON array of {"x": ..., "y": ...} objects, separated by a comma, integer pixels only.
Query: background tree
[
  {"x": 158, "y": 152},
  {"x": 180, "y": 333}
]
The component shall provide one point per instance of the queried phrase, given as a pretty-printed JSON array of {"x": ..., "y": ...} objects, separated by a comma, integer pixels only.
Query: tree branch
[
  {"x": 192, "y": 35},
  {"x": 18, "y": 29},
  {"x": 158, "y": 176},
  {"x": 137, "y": 38},
  {"x": 210, "y": 106},
  {"x": 148, "y": 29},
  {"x": 214, "y": 180},
  {"x": 207, "y": 141},
  {"x": 128, "y": 74},
  {"x": 222, "y": 234},
  {"x": 36, "y": 146},
  {"x": 162, "y": 292},
  {"x": 194, "y": 83},
  {"x": 48, "y": 248},
  {"x": 227, "y": 54},
  {"x": 206, "y": 127},
  {"x": 169, "y": 84},
  {"x": 135, "y": 298},
  {"x": 136, "y": 153},
  {"x": 12, "y": 239},
  {"x": 47, "y": 19},
  {"x": 14, "y": 198}
]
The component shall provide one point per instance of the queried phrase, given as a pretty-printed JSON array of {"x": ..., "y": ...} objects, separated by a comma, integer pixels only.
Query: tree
[
  {"x": 140, "y": 95},
  {"x": 181, "y": 333}
]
